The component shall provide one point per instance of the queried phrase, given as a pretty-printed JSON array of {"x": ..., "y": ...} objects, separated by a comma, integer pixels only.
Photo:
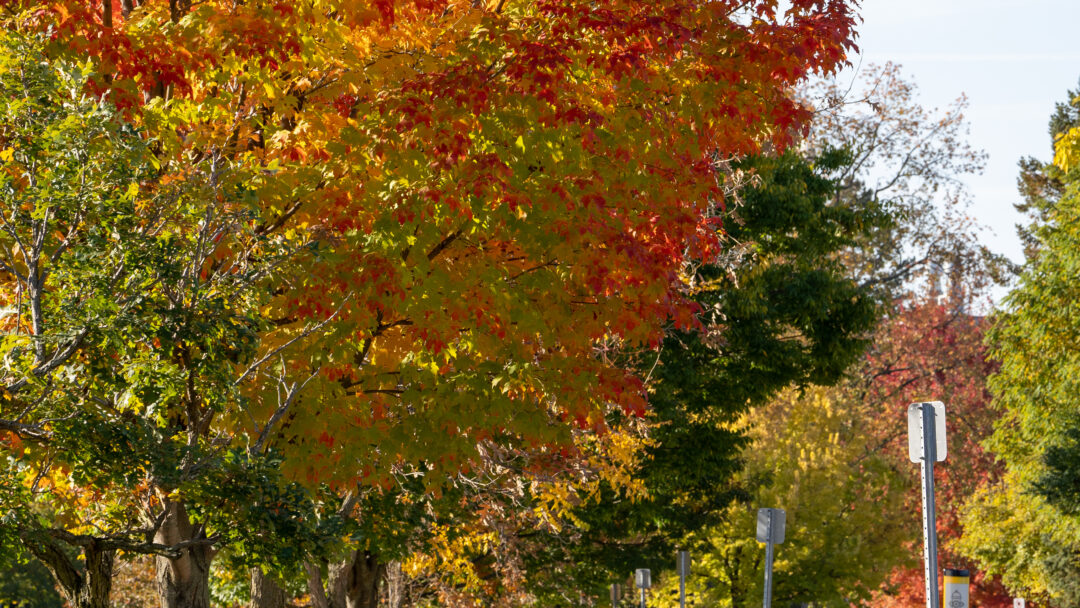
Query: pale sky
[{"x": 1014, "y": 59}]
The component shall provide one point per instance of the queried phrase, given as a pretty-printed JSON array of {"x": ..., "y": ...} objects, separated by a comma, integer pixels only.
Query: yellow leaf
[{"x": 1067, "y": 149}]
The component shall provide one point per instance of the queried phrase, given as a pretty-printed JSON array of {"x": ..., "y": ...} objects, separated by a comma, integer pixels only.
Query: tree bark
[
  {"x": 330, "y": 594},
  {"x": 395, "y": 585},
  {"x": 84, "y": 590},
  {"x": 183, "y": 582},
  {"x": 362, "y": 581},
  {"x": 265, "y": 591},
  {"x": 351, "y": 583}
]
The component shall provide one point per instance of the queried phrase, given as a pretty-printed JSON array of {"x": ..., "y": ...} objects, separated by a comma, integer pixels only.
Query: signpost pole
[
  {"x": 770, "y": 530},
  {"x": 929, "y": 443},
  {"x": 643, "y": 579},
  {"x": 769, "y": 561},
  {"x": 683, "y": 558}
]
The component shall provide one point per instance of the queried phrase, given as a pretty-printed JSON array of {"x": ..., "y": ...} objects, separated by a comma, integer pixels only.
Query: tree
[
  {"x": 933, "y": 349},
  {"x": 1022, "y": 527},
  {"x": 910, "y": 160},
  {"x": 840, "y": 494},
  {"x": 397, "y": 235},
  {"x": 109, "y": 328},
  {"x": 779, "y": 313},
  {"x": 927, "y": 345}
]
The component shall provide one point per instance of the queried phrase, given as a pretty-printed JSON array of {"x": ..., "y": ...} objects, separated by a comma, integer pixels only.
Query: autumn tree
[
  {"x": 364, "y": 241},
  {"x": 775, "y": 313}
]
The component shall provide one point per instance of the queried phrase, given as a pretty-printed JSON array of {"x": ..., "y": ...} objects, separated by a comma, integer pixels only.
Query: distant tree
[
  {"x": 841, "y": 495},
  {"x": 911, "y": 160}
]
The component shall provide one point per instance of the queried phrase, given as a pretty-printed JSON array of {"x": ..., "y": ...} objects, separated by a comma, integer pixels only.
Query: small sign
[
  {"x": 682, "y": 563},
  {"x": 1018, "y": 602},
  {"x": 773, "y": 533},
  {"x": 956, "y": 588},
  {"x": 616, "y": 593},
  {"x": 643, "y": 578},
  {"x": 915, "y": 431}
]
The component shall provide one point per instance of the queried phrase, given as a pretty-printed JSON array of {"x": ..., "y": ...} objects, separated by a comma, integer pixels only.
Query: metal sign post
[
  {"x": 616, "y": 594},
  {"x": 682, "y": 562},
  {"x": 770, "y": 530},
  {"x": 643, "y": 579},
  {"x": 926, "y": 445}
]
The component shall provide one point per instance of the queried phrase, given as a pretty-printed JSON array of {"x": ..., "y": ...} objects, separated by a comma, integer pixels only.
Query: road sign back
[
  {"x": 915, "y": 432},
  {"x": 778, "y": 517}
]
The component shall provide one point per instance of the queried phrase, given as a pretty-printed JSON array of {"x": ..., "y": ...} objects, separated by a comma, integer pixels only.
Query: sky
[{"x": 1013, "y": 59}]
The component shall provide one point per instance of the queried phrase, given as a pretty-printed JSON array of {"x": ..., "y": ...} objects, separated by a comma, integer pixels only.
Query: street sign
[
  {"x": 1018, "y": 602},
  {"x": 770, "y": 526},
  {"x": 926, "y": 445},
  {"x": 770, "y": 530},
  {"x": 643, "y": 578},
  {"x": 915, "y": 432}
]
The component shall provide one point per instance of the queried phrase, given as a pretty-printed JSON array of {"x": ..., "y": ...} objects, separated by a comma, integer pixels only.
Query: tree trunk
[
  {"x": 265, "y": 591},
  {"x": 395, "y": 585},
  {"x": 84, "y": 590},
  {"x": 362, "y": 576},
  {"x": 352, "y": 583},
  {"x": 99, "y": 571},
  {"x": 330, "y": 594},
  {"x": 183, "y": 582}
]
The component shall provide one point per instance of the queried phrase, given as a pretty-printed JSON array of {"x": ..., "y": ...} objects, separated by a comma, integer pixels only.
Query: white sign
[
  {"x": 915, "y": 432},
  {"x": 642, "y": 578},
  {"x": 777, "y": 517},
  {"x": 1018, "y": 602}
]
